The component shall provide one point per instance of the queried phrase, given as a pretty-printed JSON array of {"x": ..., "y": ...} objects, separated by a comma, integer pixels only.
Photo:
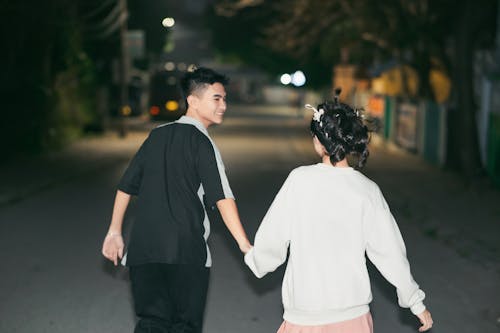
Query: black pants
[{"x": 169, "y": 298}]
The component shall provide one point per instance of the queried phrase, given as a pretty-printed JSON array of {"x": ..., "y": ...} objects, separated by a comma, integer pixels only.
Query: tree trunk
[
  {"x": 464, "y": 152},
  {"x": 423, "y": 67}
]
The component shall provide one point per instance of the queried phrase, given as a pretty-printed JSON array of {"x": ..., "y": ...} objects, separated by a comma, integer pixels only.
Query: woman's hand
[
  {"x": 426, "y": 320},
  {"x": 245, "y": 247}
]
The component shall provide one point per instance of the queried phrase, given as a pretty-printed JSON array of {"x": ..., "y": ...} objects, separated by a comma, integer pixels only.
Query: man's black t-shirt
[{"x": 175, "y": 167}]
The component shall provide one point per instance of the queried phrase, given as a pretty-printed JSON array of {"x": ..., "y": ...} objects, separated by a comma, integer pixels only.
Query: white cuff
[
  {"x": 417, "y": 308},
  {"x": 250, "y": 262}
]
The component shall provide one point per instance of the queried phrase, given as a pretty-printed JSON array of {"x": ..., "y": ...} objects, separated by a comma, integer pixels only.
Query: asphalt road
[{"x": 53, "y": 278}]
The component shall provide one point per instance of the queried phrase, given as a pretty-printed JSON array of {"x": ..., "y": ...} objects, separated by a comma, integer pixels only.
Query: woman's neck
[{"x": 340, "y": 164}]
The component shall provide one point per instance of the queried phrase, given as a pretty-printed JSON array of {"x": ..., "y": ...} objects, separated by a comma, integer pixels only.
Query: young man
[{"x": 176, "y": 174}]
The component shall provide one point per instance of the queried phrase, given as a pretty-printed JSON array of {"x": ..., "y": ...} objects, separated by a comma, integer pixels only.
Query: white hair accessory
[{"x": 317, "y": 113}]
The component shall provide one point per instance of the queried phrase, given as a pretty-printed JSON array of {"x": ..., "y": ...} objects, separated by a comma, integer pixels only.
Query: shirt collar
[{"x": 194, "y": 122}]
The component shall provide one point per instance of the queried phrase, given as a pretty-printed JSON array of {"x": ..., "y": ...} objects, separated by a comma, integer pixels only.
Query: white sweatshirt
[{"x": 328, "y": 218}]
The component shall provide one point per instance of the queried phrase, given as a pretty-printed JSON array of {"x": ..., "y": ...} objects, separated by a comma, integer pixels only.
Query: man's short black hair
[{"x": 199, "y": 78}]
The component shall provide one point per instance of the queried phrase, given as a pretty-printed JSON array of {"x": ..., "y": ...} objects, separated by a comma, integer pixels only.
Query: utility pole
[{"x": 124, "y": 70}]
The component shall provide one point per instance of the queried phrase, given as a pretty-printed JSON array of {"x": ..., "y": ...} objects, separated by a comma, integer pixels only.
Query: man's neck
[{"x": 192, "y": 114}]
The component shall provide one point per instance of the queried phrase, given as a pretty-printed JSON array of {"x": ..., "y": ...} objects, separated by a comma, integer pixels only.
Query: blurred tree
[
  {"x": 240, "y": 36},
  {"x": 422, "y": 33},
  {"x": 48, "y": 80},
  {"x": 55, "y": 54},
  {"x": 147, "y": 15}
]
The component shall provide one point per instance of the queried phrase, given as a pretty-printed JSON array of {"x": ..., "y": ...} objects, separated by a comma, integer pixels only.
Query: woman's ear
[{"x": 318, "y": 147}]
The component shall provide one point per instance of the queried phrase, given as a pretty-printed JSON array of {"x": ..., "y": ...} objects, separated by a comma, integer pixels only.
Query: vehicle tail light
[{"x": 154, "y": 110}]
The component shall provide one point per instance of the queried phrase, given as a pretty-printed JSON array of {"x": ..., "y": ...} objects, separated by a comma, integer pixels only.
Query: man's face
[{"x": 209, "y": 104}]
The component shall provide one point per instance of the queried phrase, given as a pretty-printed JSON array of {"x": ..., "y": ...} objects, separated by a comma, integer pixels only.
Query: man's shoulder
[
  {"x": 177, "y": 126},
  {"x": 185, "y": 132}
]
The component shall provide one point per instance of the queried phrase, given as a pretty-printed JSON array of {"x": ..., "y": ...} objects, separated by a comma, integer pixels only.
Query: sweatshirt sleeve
[
  {"x": 386, "y": 249},
  {"x": 273, "y": 236}
]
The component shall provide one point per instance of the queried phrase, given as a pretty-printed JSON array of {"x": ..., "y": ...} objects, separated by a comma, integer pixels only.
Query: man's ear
[{"x": 192, "y": 101}]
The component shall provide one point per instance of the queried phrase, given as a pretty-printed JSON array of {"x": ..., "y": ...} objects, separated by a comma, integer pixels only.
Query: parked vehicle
[{"x": 166, "y": 101}]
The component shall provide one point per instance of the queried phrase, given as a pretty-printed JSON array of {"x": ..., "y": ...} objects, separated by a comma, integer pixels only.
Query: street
[{"x": 54, "y": 213}]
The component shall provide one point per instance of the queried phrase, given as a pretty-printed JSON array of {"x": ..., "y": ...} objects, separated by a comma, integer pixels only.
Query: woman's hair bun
[{"x": 341, "y": 130}]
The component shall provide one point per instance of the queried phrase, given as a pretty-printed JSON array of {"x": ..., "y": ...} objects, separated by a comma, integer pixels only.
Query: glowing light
[
  {"x": 181, "y": 66},
  {"x": 286, "y": 79},
  {"x": 168, "y": 22},
  {"x": 169, "y": 66},
  {"x": 126, "y": 110},
  {"x": 298, "y": 79},
  {"x": 171, "y": 106},
  {"x": 154, "y": 111}
]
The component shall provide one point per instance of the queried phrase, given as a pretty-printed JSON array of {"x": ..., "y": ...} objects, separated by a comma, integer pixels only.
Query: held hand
[
  {"x": 245, "y": 247},
  {"x": 112, "y": 248},
  {"x": 426, "y": 320}
]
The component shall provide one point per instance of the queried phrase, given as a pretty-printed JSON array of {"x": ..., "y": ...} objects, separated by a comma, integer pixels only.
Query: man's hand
[
  {"x": 112, "y": 248},
  {"x": 231, "y": 218},
  {"x": 426, "y": 320}
]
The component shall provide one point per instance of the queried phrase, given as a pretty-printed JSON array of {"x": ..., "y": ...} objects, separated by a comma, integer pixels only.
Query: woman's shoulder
[
  {"x": 302, "y": 170},
  {"x": 365, "y": 183},
  {"x": 365, "y": 179},
  {"x": 359, "y": 178}
]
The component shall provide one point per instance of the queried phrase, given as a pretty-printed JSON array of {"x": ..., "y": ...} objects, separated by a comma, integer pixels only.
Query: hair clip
[
  {"x": 359, "y": 114},
  {"x": 317, "y": 113}
]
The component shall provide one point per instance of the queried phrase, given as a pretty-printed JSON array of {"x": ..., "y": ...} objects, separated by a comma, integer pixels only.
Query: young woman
[{"x": 327, "y": 216}]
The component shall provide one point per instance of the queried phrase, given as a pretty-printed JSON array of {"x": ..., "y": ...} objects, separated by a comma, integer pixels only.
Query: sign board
[
  {"x": 406, "y": 131},
  {"x": 135, "y": 44},
  {"x": 376, "y": 106}
]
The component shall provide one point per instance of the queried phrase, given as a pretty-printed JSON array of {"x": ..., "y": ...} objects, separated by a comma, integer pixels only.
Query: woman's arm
[
  {"x": 386, "y": 249},
  {"x": 273, "y": 237}
]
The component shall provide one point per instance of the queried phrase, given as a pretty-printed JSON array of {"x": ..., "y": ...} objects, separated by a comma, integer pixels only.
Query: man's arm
[
  {"x": 112, "y": 248},
  {"x": 231, "y": 218}
]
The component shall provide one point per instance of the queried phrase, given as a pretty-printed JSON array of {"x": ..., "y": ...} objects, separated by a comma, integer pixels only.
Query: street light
[
  {"x": 286, "y": 79},
  {"x": 169, "y": 66},
  {"x": 168, "y": 22},
  {"x": 298, "y": 79}
]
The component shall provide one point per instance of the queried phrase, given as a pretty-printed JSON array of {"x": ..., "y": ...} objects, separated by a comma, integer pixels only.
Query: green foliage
[
  {"x": 242, "y": 40},
  {"x": 311, "y": 34},
  {"x": 73, "y": 104},
  {"x": 49, "y": 84}
]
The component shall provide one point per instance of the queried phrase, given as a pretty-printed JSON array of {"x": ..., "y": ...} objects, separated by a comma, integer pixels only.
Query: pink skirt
[{"x": 361, "y": 324}]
